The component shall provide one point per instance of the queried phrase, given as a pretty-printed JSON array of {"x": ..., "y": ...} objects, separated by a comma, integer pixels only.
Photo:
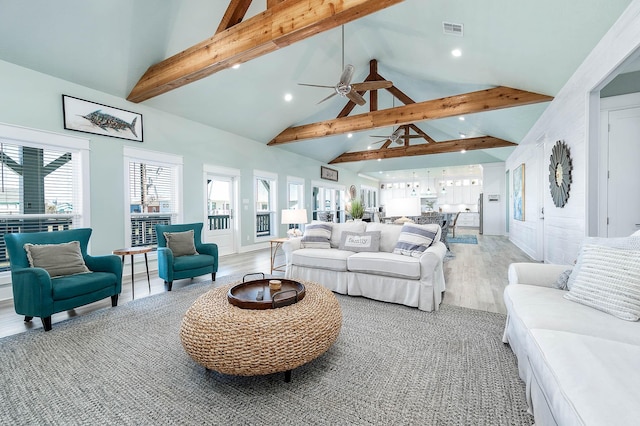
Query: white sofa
[
  {"x": 581, "y": 366},
  {"x": 383, "y": 275}
]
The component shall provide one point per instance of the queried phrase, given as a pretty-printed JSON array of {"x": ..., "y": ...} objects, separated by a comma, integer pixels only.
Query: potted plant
[{"x": 356, "y": 209}]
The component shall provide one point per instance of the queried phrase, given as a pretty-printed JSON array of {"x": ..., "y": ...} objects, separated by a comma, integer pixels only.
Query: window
[
  {"x": 370, "y": 197},
  {"x": 41, "y": 184},
  {"x": 328, "y": 202},
  {"x": 295, "y": 193},
  {"x": 265, "y": 185},
  {"x": 153, "y": 196}
]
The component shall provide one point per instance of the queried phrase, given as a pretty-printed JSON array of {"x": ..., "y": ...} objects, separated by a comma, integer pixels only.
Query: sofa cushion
[
  {"x": 360, "y": 241},
  {"x": 338, "y": 228},
  {"x": 415, "y": 239},
  {"x": 57, "y": 259},
  {"x": 181, "y": 243},
  {"x": 388, "y": 264},
  {"x": 587, "y": 380},
  {"x": 317, "y": 235},
  {"x": 536, "y": 307},
  {"x": 184, "y": 263},
  {"x": 334, "y": 259},
  {"x": 607, "y": 276},
  {"x": 80, "y": 284},
  {"x": 388, "y": 235}
]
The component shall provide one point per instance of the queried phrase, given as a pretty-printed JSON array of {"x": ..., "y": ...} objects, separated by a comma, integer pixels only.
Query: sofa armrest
[
  {"x": 540, "y": 274},
  {"x": 208, "y": 248},
  {"x": 32, "y": 292},
  {"x": 165, "y": 263},
  {"x": 431, "y": 258}
]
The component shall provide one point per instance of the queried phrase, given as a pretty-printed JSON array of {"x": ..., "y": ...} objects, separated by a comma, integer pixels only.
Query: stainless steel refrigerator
[{"x": 480, "y": 212}]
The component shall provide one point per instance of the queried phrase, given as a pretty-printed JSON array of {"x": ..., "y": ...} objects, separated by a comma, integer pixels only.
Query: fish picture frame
[{"x": 90, "y": 117}]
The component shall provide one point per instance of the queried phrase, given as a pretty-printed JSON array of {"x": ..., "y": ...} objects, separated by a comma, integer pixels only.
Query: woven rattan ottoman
[{"x": 246, "y": 342}]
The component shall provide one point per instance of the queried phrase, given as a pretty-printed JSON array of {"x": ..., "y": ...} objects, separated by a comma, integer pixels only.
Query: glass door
[{"x": 220, "y": 226}]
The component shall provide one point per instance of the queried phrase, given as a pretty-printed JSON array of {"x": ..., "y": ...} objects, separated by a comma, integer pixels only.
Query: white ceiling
[{"x": 108, "y": 45}]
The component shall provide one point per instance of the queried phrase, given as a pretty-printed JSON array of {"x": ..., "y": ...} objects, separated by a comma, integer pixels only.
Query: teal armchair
[
  {"x": 36, "y": 294},
  {"x": 172, "y": 267}
]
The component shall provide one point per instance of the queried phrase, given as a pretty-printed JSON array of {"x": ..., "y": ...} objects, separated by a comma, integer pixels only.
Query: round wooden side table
[{"x": 132, "y": 251}]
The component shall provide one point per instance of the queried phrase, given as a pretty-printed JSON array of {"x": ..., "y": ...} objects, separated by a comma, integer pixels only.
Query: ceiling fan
[
  {"x": 345, "y": 88},
  {"x": 397, "y": 136}
]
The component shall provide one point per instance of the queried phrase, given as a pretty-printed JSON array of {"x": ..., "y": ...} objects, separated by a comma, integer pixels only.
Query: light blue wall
[{"x": 34, "y": 100}]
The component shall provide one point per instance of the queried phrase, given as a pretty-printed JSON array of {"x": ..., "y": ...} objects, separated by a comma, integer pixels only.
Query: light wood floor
[{"x": 475, "y": 278}]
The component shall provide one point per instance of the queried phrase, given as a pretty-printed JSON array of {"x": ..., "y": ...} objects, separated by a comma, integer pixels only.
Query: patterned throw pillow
[
  {"x": 57, "y": 259},
  {"x": 360, "y": 241},
  {"x": 181, "y": 243},
  {"x": 607, "y": 277},
  {"x": 317, "y": 235},
  {"x": 563, "y": 279},
  {"x": 415, "y": 239}
]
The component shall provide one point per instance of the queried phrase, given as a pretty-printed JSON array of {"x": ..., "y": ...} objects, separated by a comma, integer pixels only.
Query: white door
[
  {"x": 623, "y": 202},
  {"x": 220, "y": 227}
]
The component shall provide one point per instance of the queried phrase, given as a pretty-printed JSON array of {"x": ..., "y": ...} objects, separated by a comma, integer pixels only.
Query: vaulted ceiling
[{"x": 518, "y": 47}]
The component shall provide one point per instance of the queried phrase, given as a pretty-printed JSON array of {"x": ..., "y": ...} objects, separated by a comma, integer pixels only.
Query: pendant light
[
  {"x": 413, "y": 191},
  {"x": 428, "y": 179},
  {"x": 444, "y": 191}
]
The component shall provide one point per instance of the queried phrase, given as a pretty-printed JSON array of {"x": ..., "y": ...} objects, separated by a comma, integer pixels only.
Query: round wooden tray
[{"x": 244, "y": 295}]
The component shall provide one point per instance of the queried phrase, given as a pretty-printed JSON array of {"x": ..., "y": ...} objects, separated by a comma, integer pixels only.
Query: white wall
[
  {"x": 494, "y": 211},
  {"x": 566, "y": 119}
]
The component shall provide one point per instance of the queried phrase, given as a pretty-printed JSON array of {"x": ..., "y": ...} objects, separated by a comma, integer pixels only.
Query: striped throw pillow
[
  {"x": 317, "y": 235},
  {"x": 607, "y": 277},
  {"x": 415, "y": 239}
]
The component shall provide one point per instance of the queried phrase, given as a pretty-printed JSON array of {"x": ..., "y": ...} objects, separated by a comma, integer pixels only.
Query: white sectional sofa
[
  {"x": 581, "y": 366},
  {"x": 380, "y": 275}
]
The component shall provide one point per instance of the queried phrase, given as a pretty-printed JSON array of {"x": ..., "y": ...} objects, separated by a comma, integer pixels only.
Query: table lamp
[
  {"x": 294, "y": 217},
  {"x": 403, "y": 207}
]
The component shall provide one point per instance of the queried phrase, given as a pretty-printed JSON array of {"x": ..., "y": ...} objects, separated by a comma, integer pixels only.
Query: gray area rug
[{"x": 390, "y": 365}]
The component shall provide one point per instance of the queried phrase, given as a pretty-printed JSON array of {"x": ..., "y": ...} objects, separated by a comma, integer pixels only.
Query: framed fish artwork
[{"x": 90, "y": 117}]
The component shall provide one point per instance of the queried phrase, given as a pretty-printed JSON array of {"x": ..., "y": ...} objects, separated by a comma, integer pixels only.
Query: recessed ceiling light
[
  {"x": 349, "y": 135},
  {"x": 379, "y": 159},
  {"x": 463, "y": 151},
  {"x": 288, "y": 97},
  {"x": 462, "y": 135},
  {"x": 236, "y": 66},
  {"x": 369, "y": 147},
  {"x": 461, "y": 118},
  {"x": 456, "y": 52}
]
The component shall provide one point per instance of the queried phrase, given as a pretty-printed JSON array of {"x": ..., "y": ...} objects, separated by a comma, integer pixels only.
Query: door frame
[{"x": 234, "y": 175}]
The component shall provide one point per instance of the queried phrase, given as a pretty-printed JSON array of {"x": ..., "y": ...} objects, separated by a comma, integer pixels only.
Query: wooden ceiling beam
[
  {"x": 420, "y": 132},
  {"x": 282, "y": 24},
  {"x": 468, "y": 103},
  {"x": 470, "y": 144},
  {"x": 234, "y": 14}
]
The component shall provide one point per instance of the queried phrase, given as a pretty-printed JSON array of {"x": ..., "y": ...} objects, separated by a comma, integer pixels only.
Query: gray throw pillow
[
  {"x": 360, "y": 241},
  {"x": 562, "y": 281},
  {"x": 57, "y": 259},
  {"x": 415, "y": 239},
  {"x": 317, "y": 235},
  {"x": 181, "y": 243}
]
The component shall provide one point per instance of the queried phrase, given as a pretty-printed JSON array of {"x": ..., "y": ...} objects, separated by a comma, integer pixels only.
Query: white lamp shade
[
  {"x": 294, "y": 216},
  {"x": 403, "y": 207}
]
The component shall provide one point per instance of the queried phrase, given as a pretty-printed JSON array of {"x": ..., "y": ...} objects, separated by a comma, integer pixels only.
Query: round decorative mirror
[{"x": 560, "y": 173}]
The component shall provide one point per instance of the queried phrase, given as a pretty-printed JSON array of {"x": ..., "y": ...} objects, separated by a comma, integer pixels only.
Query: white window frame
[
  {"x": 273, "y": 229},
  {"x": 82, "y": 173},
  {"x": 343, "y": 195},
  {"x": 173, "y": 161},
  {"x": 293, "y": 180}
]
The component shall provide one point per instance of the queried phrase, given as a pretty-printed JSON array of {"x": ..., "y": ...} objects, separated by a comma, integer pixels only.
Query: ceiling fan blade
[
  {"x": 356, "y": 97},
  {"x": 371, "y": 85},
  {"x": 315, "y": 85},
  {"x": 347, "y": 74},
  {"x": 380, "y": 141},
  {"x": 331, "y": 95}
]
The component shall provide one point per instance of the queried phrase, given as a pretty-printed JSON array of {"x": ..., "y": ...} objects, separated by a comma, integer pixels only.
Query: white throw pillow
[
  {"x": 607, "y": 276},
  {"x": 57, "y": 259},
  {"x": 360, "y": 241},
  {"x": 415, "y": 239},
  {"x": 316, "y": 235}
]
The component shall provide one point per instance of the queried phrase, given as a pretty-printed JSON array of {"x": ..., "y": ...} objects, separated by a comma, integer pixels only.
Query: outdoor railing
[
  {"x": 219, "y": 221},
  {"x": 263, "y": 224},
  {"x": 143, "y": 228},
  {"x": 30, "y": 223}
]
